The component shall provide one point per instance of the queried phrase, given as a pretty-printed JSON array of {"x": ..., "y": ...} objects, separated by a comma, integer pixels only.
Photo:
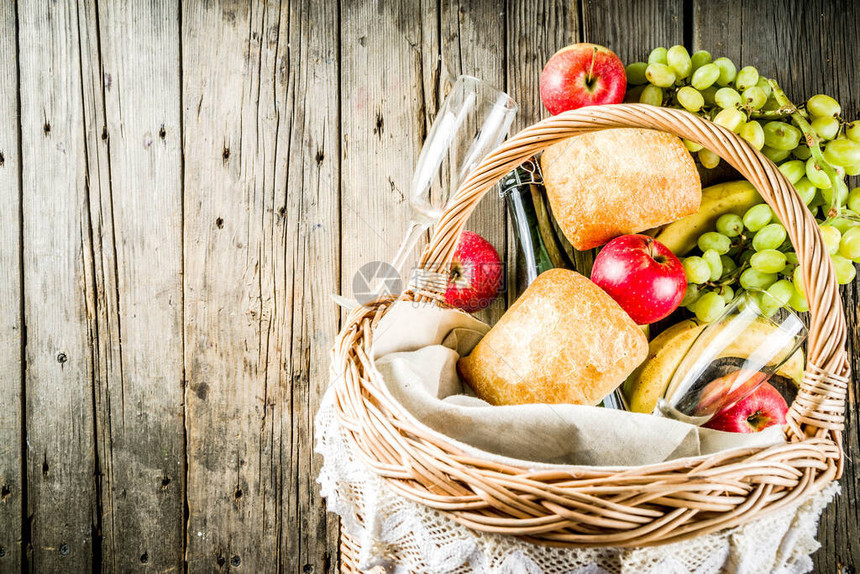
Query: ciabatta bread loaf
[
  {"x": 563, "y": 341},
  {"x": 613, "y": 182}
]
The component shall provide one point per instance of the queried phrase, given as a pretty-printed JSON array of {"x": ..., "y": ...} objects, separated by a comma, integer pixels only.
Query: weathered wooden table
[{"x": 182, "y": 186}]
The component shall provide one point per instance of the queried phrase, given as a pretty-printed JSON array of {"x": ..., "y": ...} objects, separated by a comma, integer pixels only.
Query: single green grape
[
  {"x": 797, "y": 277},
  {"x": 831, "y": 237},
  {"x": 651, "y": 95},
  {"x": 708, "y": 158},
  {"x": 726, "y": 292},
  {"x": 705, "y": 76},
  {"x": 730, "y": 224},
  {"x": 842, "y": 193},
  {"x": 729, "y": 264},
  {"x": 715, "y": 241},
  {"x": 854, "y": 200},
  {"x": 697, "y": 269},
  {"x": 775, "y": 155},
  {"x": 794, "y": 170},
  {"x": 753, "y": 279},
  {"x": 806, "y": 189},
  {"x": 754, "y": 97},
  {"x": 691, "y": 295},
  {"x": 852, "y": 130},
  {"x": 753, "y": 133},
  {"x": 692, "y": 146},
  {"x": 764, "y": 85},
  {"x": 700, "y": 58},
  {"x": 691, "y": 99},
  {"x": 660, "y": 75},
  {"x": 821, "y": 105},
  {"x": 747, "y": 77},
  {"x": 842, "y": 151},
  {"x": 728, "y": 72},
  {"x": 783, "y": 290},
  {"x": 709, "y": 307},
  {"x": 801, "y": 152},
  {"x": 768, "y": 261},
  {"x": 679, "y": 60},
  {"x": 780, "y": 135},
  {"x": 849, "y": 245},
  {"x": 816, "y": 175},
  {"x": 757, "y": 217},
  {"x": 731, "y": 119},
  {"x": 712, "y": 258},
  {"x": 770, "y": 236},
  {"x": 853, "y": 169},
  {"x": 708, "y": 94},
  {"x": 798, "y": 302},
  {"x": 727, "y": 98},
  {"x": 658, "y": 56},
  {"x": 636, "y": 73},
  {"x": 845, "y": 271},
  {"x": 826, "y": 128}
]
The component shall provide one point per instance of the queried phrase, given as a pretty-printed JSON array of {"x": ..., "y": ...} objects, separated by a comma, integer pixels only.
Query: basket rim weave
[{"x": 580, "y": 506}]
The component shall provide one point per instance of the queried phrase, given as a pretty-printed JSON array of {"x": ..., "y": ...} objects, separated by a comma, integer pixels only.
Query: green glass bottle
[{"x": 525, "y": 197}]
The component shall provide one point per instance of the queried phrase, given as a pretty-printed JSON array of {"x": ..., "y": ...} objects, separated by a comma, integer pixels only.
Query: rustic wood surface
[{"x": 181, "y": 187}]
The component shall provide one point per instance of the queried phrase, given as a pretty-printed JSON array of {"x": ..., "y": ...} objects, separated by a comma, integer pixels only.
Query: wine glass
[
  {"x": 732, "y": 357},
  {"x": 472, "y": 121}
]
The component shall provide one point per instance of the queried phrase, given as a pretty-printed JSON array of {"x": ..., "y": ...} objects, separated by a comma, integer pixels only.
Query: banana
[
  {"x": 730, "y": 197},
  {"x": 648, "y": 382}
]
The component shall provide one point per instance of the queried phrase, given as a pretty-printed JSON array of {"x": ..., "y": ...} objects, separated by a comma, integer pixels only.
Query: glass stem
[{"x": 416, "y": 230}]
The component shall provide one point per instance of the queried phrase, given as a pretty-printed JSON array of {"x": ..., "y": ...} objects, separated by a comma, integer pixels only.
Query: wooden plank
[
  {"x": 473, "y": 43},
  {"x": 130, "y": 59},
  {"x": 11, "y": 331},
  {"x": 261, "y": 253},
  {"x": 309, "y": 536},
  {"x": 803, "y": 45},
  {"x": 61, "y": 505},
  {"x": 536, "y": 29}
]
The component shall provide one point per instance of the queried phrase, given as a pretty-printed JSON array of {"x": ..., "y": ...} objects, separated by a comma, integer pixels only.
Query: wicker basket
[{"x": 589, "y": 506}]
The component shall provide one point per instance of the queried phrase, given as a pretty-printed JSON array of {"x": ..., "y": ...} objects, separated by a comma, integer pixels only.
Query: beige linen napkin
[{"x": 415, "y": 349}]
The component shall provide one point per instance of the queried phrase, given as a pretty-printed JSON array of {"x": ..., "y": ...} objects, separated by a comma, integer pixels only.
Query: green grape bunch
[{"x": 813, "y": 146}]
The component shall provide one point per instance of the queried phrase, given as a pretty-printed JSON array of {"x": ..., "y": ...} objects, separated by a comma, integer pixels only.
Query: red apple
[
  {"x": 727, "y": 389},
  {"x": 763, "y": 408},
  {"x": 642, "y": 275},
  {"x": 582, "y": 75},
  {"x": 476, "y": 274}
]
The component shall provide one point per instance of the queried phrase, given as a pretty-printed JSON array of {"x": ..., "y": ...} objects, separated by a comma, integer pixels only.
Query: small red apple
[
  {"x": 763, "y": 408},
  {"x": 476, "y": 274},
  {"x": 582, "y": 75},
  {"x": 642, "y": 275}
]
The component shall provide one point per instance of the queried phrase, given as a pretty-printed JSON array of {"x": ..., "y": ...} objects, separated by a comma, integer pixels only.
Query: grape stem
[{"x": 813, "y": 141}]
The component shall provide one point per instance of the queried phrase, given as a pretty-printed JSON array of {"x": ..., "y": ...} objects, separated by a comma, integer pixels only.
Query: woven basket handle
[{"x": 820, "y": 403}]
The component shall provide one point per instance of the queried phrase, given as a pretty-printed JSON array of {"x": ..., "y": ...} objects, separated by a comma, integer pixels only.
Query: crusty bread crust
[
  {"x": 614, "y": 182},
  {"x": 563, "y": 341}
]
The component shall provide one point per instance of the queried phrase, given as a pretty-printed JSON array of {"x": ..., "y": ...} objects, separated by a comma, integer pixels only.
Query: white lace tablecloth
[{"x": 403, "y": 536}]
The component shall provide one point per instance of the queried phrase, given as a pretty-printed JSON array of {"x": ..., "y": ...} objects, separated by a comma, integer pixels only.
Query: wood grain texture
[
  {"x": 130, "y": 60},
  {"x": 807, "y": 47},
  {"x": 58, "y": 298},
  {"x": 261, "y": 253},
  {"x": 308, "y": 535},
  {"x": 11, "y": 323}
]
